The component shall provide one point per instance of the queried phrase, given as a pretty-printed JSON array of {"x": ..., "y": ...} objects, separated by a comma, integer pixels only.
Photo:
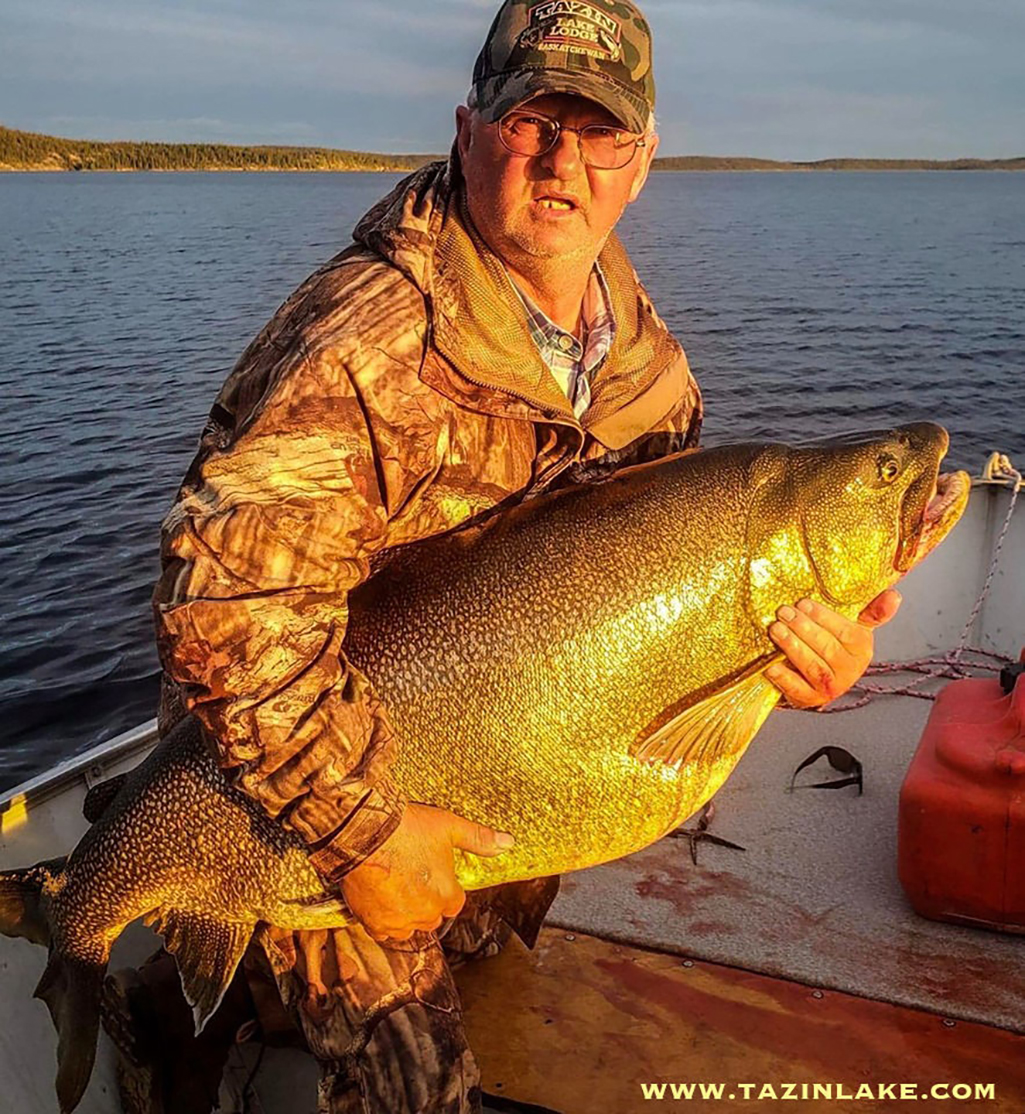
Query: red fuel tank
[{"x": 961, "y": 846}]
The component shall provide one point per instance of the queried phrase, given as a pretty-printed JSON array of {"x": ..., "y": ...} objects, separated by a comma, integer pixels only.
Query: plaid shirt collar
[{"x": 570, "y": 361}]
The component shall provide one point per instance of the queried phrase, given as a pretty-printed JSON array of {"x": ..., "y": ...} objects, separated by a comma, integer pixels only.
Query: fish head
[{"x": 846, "y": 517}]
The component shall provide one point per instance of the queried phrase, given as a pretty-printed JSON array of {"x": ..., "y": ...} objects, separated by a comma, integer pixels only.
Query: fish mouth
[{"x": 944, "y": 504}]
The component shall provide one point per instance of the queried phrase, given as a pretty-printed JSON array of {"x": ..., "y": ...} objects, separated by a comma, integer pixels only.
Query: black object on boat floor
[{"x": 497, "y": 1104}]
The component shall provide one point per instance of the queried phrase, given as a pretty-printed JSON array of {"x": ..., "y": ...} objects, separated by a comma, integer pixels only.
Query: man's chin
[{"x": 553, "y": 243}]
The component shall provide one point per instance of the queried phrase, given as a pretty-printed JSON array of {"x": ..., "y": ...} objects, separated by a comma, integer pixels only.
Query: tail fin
[
  {"x": 21, "y": 908},
  {"x": 70, "y": 987}
]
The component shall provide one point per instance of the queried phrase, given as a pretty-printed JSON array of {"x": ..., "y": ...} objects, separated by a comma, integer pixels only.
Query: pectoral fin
[
  {"x": 207, "y": 951},
  {"x": 713, "y": 732},
  {"x": 521, "y": 905}
]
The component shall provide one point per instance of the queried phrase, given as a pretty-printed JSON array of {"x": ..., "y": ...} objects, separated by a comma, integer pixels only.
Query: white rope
[
  {"x": 952, "y": 664},
  {"x": 1003, "y": 470}
]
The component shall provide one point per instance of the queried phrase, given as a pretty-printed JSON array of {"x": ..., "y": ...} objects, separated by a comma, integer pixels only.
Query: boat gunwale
[{"x": 89, "y": 766}]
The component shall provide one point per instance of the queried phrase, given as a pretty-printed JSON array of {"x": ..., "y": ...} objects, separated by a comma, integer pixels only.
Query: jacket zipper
[
  {"x": 561, "y": 419},
  {"x": 553, "y": 470}
]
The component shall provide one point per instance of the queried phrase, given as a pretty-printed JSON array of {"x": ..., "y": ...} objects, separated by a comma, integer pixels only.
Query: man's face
[{"x": 548, "y": 206}]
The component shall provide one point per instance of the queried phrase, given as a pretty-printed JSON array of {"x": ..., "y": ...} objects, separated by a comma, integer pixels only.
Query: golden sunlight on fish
[{"x": 585, "y": 672}]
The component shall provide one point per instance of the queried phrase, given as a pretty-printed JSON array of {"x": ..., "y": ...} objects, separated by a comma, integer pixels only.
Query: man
[{"x": 484, "y": 338}]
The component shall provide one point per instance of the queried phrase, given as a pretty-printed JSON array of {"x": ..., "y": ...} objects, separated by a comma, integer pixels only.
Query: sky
[{"x": 784, "y": 79}]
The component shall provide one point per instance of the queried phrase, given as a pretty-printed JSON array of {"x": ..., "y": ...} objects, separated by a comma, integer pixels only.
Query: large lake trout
[{"x": 584, "y": 671}]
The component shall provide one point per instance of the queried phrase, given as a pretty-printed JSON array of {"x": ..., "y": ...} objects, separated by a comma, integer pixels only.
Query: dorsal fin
[{"x": 101, "y": 796}]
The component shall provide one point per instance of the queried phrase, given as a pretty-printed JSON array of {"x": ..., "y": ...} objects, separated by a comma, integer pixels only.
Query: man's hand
[
  {"x": 828, "y": 653},
  {"x": 409, "y": 882}
]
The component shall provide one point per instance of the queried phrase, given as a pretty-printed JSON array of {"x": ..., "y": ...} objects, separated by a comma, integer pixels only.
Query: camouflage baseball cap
[{"x": 599, "y": 49}]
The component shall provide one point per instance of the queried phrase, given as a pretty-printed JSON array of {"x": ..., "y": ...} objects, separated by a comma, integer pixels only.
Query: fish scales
[
  {"x": 204, "y": 865},
  {"x": 590, "y": 632}
]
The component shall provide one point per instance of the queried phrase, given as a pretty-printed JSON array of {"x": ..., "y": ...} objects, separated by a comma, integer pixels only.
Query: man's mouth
[{"x": 556, "y": 203}]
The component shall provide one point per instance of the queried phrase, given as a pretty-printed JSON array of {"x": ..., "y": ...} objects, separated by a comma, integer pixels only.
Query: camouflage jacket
[{"x": 395, "y": 395}]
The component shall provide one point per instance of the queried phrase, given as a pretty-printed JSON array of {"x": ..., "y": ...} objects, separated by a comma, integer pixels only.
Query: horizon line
[{"x": 429, "y": 156}]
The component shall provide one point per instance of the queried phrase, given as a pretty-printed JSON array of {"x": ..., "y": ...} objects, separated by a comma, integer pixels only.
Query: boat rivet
[
  {"x": 949, "y": 1022},
  {"x": 688, "y": 963},
  {"x": 817, "y": 994},
  {"x": 569, "y": 936}
]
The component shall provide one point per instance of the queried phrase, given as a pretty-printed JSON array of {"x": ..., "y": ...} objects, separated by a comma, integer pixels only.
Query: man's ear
[
  {"x": 464, "y": 125},
  {"x": 647, "y": 153}
]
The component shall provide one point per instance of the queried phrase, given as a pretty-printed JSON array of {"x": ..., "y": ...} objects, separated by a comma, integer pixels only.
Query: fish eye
[{"x": 888, "y": 468}]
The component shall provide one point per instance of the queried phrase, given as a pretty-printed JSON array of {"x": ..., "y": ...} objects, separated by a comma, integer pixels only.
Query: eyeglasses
[
  {"x": 602, "y": 146},
  {"x": 842, "y": 761}
]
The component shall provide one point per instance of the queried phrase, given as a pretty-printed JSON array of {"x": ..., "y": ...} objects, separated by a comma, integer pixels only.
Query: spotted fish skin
[
  {"x": 584, "y": 672},
  {"x": 180, "y": 836}
]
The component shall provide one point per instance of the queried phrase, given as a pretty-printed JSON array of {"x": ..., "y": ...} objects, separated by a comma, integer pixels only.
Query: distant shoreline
[{"x": 28, "y": 151}]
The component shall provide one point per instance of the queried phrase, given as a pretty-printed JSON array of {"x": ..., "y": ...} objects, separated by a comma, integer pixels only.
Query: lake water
[{"x": 806, "y": 302}]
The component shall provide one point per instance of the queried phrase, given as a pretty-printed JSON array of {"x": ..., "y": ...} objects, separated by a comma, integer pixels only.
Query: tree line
[{"x": 28, "y": 151}]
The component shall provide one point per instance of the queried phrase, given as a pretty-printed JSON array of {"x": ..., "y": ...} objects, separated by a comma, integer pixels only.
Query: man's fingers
[
  {"x": 479, "y": 839},
  {"x": 454, "y": 906},
  {"x": 815, "y": 621},
  {"x": 383, "y": 935},
  {"x": 797, "y": 630},
  {"x": 803, "y": 652},
  {"x": 794, "y": 687},
  {"x": 400, "y": 935}
]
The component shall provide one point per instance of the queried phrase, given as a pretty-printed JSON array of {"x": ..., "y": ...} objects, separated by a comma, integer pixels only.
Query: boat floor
[
  {"x": 814, "y": 897},
  {"x": 577, "y": 1025}
]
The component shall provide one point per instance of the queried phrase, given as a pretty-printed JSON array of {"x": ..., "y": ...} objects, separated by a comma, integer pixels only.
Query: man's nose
[{"x": 564, "y": 160}]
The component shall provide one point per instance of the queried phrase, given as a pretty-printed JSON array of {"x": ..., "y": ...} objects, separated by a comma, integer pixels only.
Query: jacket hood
[{"x": 403, "y": 226}]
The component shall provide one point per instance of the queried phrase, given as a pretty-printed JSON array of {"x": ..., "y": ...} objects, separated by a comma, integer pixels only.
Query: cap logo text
[{"x": 573, "y": 25}]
